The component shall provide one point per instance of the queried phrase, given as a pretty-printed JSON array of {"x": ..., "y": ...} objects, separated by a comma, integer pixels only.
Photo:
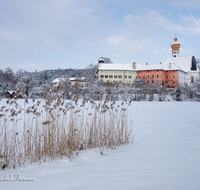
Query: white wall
[
  {"x": 195, "y": 74},
  {"x": 123, "y": 73},
  {"x": 182, "y": 78}
]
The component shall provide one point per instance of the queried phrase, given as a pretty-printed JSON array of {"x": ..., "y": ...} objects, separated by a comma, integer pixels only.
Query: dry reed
[{"x": 50, "y": 129}]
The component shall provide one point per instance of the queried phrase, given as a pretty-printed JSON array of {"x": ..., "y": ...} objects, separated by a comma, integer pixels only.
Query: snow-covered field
[{"x": 165, "y": 156}]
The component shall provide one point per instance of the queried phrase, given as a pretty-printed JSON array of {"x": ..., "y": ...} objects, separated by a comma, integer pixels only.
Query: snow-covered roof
[
  {"x": 171, "y": 63},
  {"x": 183, "y": 63},
  {"x": 116, "y": 66},
  {"x": 57, "y": 80},
  {"x": 150, "y": 67},
  {"x": 11, "y": 92},
  {"x": 77, "y": 78}
]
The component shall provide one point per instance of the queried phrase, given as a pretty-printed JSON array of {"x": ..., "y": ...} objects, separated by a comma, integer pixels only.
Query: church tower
[{"x": 175, "y": 48}]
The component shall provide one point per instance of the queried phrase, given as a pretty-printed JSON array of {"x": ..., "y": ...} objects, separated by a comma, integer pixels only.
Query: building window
[
  {"x": 129, "y": 81},
  {"x": 152, "y": 81},
  {"x": 143, "y": 76},
  {"x": 107, "y": 80},
  {"x": 152, "y": 76},
  {"x": 173, "y": 76},
  {"x": 148, "y": 76},
  {"x": 157, "y": 70},
  {"x": 173, "y": 82},
  {"x": 115, "y": 76},
  {"x": 125, "y": 76},
  {"x": 106, "y": 76},
  {"x": 110, "y": 76},
  {"x": 139, "y": 77},
  {"x": 192, "y": 79},
  {"x": 148, "y": 71},
  {"x": 120, "y": 76},
  {"x": 167, "y": 77},
  {"x": 113, "y": 81},
  {"x": 157, "y": 76},
  {"x": 147, "y": 82},
  {"x": 174, "y": 71},
  {"x": 129, "y": 77},
  {"x": 120, "y": 81},
  {"x": 102, "y": 76}
]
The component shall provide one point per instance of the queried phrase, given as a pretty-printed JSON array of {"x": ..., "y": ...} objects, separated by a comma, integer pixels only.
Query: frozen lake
[{"x": 165, "y": 156}]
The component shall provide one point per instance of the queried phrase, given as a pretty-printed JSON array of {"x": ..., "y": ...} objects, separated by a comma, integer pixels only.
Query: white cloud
[
  {"x": 31, "y": 31},
  {"x": 144, "y": 32},
  {"x": 179, "y": 4},
  {"x": 191, "y": 24},
  {"x": 151, "y": 22},
  {"x": 125, "y": 43}
]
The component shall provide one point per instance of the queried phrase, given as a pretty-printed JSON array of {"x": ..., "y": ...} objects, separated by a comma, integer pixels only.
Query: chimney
[
  {"x": 160, "y": 62},
  {"x": 134, "y": 65},
  {"x": 170, "y": 65},
  {"x": 146, "y": 63}
]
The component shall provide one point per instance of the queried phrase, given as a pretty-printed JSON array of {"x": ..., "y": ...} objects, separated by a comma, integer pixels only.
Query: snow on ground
[{"x": 165, "y": 155}]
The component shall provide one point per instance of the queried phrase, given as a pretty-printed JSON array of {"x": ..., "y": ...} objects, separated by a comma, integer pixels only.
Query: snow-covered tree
[
  {"x": 106, "y": 59},
  {"x": 90, "y": 73}
]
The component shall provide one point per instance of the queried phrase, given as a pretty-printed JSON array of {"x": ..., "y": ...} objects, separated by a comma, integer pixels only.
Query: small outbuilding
[
  {"x": 81, "y": 81},
  {"x": 10, "y": 94}
]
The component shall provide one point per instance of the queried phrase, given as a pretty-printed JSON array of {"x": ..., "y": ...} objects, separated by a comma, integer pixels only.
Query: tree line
[{"x": 33, "y": 84}]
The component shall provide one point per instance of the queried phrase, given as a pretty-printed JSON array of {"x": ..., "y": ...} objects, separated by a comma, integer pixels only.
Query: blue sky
[{"x": 52, "y": 34}]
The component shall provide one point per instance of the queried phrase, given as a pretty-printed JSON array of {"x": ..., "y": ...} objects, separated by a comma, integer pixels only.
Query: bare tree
[
  {"x": 107, "y": 60},
  {"x": 198, "y": 61},
  {"x": 198, "y": 64},
  {"x": 8, "y": 74},
  {"x": 90, "y": 73}
]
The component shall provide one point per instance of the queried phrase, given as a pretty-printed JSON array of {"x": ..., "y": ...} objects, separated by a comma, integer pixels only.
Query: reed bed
[{"x": 52, "y": 128}]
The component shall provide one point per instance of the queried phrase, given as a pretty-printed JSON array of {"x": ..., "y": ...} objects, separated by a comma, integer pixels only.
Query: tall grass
[{"x": 52, "y": 128}]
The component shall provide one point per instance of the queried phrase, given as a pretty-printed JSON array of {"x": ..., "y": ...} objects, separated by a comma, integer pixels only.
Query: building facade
[
  {"x": 116, "y": 73},
  {"x": 174, "y": 71}
]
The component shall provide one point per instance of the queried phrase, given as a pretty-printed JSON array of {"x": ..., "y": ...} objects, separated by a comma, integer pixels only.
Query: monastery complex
[{"x": 174, "y": 71}]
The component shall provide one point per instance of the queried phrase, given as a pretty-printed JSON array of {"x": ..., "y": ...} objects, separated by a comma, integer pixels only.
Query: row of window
[
  {"x": 173, "y": 76},
  {"x": 153, "y": 76},
  {"x": 117, "y": 81},
  {"x": 157, "y": 81},
  {"x": 152, "y": 81},
  {"x": 173, "y": 82},
  {"x": 130, "y": 72},
  {"x": 115, "y": 76},
  {"x": 157, "y": 71}
]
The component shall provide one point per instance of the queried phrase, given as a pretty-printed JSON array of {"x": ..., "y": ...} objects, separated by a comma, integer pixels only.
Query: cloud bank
[{"x": 37, "y": 35}]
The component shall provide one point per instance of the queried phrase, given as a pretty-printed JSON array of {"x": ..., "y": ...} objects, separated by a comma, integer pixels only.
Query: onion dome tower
[{"x": 175, "y": 48}]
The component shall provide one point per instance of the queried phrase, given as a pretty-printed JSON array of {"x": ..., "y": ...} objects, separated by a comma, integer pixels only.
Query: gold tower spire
[{"x": 175, "y": 47}]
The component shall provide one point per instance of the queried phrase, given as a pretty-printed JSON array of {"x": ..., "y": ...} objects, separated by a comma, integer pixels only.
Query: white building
[
  {"x": 187, "y": 65},
  {"x": 58, "y": 81},
  {"x": 116, "y": 73},
  {"x": 80, "y": 81}
]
